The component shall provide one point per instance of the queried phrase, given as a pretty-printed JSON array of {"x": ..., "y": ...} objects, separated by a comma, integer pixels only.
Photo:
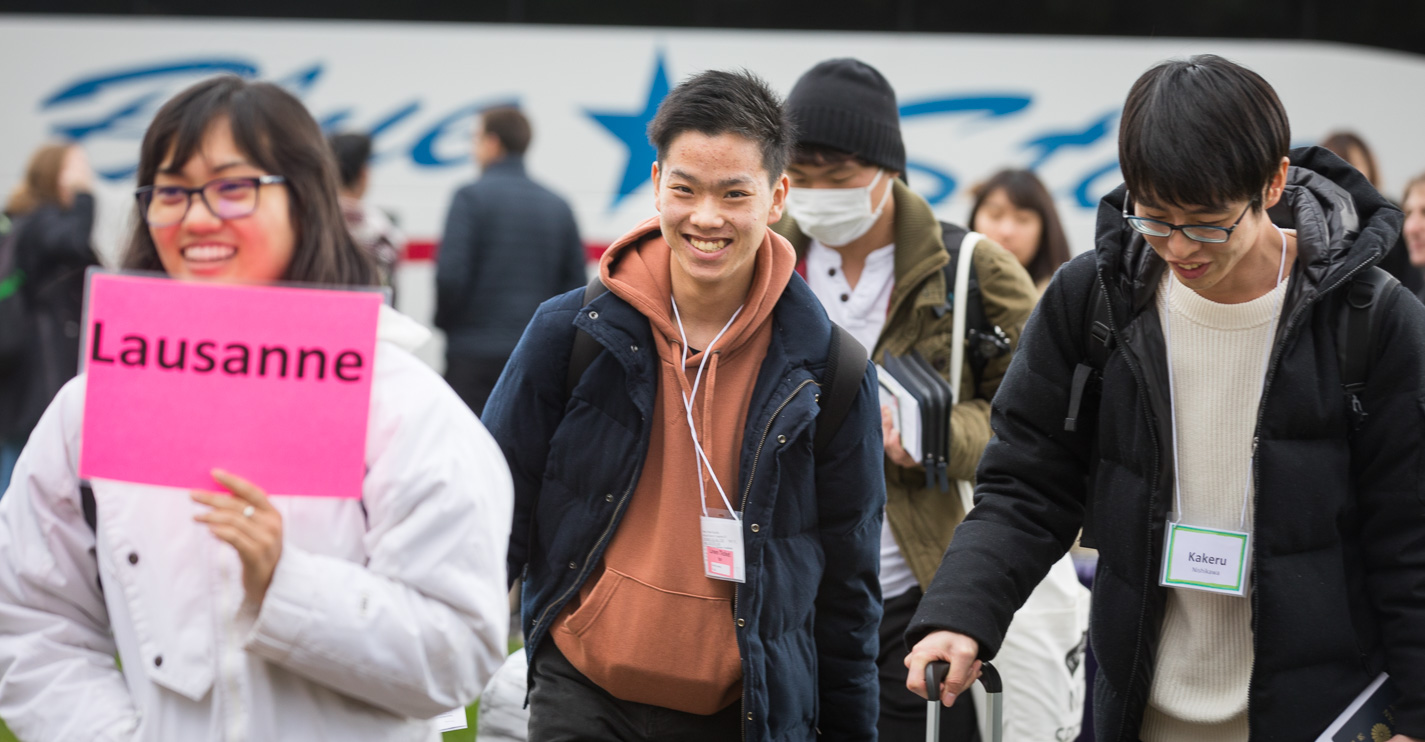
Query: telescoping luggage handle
[{"x": 935, "y": 674}]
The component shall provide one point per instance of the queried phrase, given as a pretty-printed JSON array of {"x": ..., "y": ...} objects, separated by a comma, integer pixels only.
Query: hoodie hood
[
  {"x": 637, "y": 268},
  {"x": 1343, "y": 225}
]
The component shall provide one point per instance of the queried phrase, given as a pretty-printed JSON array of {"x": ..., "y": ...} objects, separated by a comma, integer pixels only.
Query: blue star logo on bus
[{"x": 632, "y": 130}]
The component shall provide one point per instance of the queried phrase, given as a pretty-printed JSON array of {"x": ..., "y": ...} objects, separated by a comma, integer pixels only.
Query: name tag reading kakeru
[{"x": 1207, "y": 559}]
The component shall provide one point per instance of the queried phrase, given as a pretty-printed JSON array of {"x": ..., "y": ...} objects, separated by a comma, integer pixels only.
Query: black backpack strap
[
  {"x": 1356, "y": 330},
  {"x": 1098, "y": 344},
  {"x": 845, "y": 368},
  {"x": 953, "y": 236},
  {"x": 91, "y": 517},
  {"x": 585, "y": 348},
  {"x": 88, "y": 506}
]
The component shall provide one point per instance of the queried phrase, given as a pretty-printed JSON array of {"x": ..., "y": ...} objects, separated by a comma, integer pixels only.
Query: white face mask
[{"x": 836, "y": 216}]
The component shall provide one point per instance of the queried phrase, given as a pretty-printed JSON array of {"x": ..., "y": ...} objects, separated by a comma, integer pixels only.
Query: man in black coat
[
  {"x": 1218, "y": 439},
  {"x": 509, "y": 244}
]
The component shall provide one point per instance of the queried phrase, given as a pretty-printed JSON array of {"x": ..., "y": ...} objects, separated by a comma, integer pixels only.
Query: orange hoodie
[{"x": 649, "y": 627}]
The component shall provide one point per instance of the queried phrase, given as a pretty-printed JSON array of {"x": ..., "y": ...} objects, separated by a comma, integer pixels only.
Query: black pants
[
  {"x": 473, "y": 378},
  {"x": 902, "y": 712},
  {"x": 565, "y": 706}
]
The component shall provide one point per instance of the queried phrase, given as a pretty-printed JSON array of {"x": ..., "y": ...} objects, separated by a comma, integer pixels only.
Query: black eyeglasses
[
  {"x": 1195, "y": 232},
  {"x": 226, "y": 198}
]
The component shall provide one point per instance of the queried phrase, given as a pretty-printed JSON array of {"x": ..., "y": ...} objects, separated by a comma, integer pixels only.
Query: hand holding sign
[{"x": 248, "y": 522}]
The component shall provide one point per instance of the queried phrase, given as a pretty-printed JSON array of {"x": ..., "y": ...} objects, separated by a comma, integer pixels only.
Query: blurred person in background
[
  {"x": 1350, "y": 147},
  {"x": 1413, "y": 204},
  {"x": 371, "y": 227},
  {"x": 509, "y": 244},
  {"x": 239, "y": 615},
  {"x": 1014, "y": 209},
  {"x": 51, "y": 215}
]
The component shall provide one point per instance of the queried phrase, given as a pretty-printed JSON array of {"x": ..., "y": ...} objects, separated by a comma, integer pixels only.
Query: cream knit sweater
[{"x": 1218, "y": 354}]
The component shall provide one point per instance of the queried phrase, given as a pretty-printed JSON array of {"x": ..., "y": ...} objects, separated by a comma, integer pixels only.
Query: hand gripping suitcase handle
[{"x": 935, "y": 674}]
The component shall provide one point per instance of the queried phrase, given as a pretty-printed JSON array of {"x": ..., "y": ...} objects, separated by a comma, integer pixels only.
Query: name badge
[
  {"x": 1196, "y": 558},
  {"x": 722, "y": 549}
]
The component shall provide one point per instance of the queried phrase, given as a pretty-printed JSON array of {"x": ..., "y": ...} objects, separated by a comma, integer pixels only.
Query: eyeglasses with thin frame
[
  {"x": 1196, "y": 232},
  {"x": 226, "y": 198}
]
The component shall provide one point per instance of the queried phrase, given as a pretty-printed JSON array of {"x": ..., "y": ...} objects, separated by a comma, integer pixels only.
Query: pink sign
[{"x": 270, "y": 383}]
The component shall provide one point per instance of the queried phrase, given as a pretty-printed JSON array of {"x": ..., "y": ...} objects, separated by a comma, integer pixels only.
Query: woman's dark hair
[
  {"x": 1025, "y": 191},
  {"x": 276, "y": 133},
  {"x": 1342, "y": 142},
  {"x": 1201, "y": 132},
  {"x": 351, "y": 151},
  {"x": 717, "y": 102}
]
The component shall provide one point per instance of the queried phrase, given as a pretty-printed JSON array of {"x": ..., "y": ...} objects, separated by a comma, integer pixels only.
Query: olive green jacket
[{"x": 922, "y": 519}]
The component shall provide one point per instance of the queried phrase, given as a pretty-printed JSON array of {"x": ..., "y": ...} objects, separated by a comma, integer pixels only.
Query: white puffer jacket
[{"x": 382, "y": 613}]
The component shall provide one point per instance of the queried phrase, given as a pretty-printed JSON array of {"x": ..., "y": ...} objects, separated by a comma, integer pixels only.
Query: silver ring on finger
[{"x": 248, "y": 511}]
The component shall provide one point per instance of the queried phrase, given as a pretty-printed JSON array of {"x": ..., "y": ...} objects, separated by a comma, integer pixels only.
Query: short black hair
[
  {"x": 352, "y": 151},
  {"x": 720, "y": 102},
  {"x": 508, "y": 125},
  {"x": 1203, "y": 131}
]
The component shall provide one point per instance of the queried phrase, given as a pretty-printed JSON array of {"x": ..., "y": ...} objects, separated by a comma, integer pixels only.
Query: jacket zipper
[
  {"x": 1152, "y": 493},
  {"x": 757, "y": 456},
  {"x": 583, "y": 572},
  {"x": 1272, "y": 367}
]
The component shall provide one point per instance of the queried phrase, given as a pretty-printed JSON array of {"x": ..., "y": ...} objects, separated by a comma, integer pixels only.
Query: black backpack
[
  {"x": 845, "y": 368},
  {"x": 1357, "y": 326}
]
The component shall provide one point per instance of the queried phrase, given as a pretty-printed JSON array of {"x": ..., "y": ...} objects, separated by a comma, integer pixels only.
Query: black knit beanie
[{"x": 848, "y": 105}]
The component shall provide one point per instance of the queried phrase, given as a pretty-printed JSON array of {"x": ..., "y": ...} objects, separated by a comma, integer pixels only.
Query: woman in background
[
  {"x": 1014, "y": 209},
  {"x": 1413, "y": 204},
  {"x": 239, "y": 615},
  {"x": 1350, "y": 147},
  {"x": 50, "y": 216}
]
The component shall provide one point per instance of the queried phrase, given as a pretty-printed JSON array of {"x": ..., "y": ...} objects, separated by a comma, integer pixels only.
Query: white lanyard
[
  {"x": 1172, "y": 393},
  {"x": 702, "y": 458}
]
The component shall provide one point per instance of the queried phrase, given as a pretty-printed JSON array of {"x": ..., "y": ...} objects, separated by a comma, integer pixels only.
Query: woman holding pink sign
[{"x": 239, "y": 615}]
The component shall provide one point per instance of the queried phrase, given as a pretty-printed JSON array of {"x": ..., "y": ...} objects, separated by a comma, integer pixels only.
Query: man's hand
[
  {"x": 957, "y": 649},
  {"x": 892, "y": 440},
  {"x": 247, "y": 521},
  {"x": 1403, "y": 738}
]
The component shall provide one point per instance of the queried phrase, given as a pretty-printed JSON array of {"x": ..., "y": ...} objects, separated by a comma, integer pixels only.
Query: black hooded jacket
[{"x": 1338, "y": 575}]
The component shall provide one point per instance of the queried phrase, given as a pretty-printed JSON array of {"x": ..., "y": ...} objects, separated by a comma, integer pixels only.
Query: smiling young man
[
  {"x": 694, "y": 568},
  {"x": 1259, "y": 521}
]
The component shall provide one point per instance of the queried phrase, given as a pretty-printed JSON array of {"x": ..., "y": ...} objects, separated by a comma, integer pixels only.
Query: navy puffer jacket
[
  {"x": 809, "y": 611},
  {"x": 1338, "y": 571}
]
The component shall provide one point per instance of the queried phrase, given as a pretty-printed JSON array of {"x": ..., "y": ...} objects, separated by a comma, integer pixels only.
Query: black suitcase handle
[{"x": 935, "y": 674}]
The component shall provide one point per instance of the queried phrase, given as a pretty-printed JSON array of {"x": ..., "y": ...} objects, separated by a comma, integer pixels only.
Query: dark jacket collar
[
  {"x": 1343, "y": 226},
  {"x": 507, "y": 165}
]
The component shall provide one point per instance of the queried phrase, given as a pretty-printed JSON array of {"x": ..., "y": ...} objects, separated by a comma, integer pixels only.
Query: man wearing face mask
[{"x": 874, "y": 253}]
